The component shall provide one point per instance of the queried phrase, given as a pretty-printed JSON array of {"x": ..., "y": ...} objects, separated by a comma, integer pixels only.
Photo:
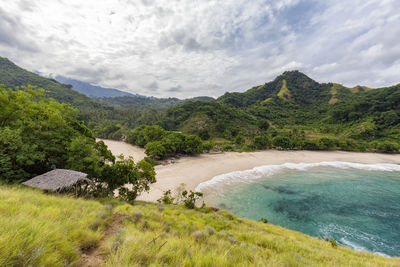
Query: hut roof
[{"x": 57, "y": 179}]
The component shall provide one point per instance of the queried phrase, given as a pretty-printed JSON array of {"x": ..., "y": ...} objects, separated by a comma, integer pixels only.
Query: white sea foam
[{"x": 240, "y": 177}]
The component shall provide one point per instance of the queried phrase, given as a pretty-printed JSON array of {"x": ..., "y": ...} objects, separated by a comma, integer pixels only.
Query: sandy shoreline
[{"x": 197, "y": 169}]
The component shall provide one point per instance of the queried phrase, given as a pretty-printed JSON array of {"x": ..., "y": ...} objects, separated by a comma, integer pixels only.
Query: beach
[{"x": 193, "y": 170}]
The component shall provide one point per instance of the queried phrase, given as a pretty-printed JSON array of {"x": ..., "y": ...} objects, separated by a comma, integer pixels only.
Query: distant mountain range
[{"x": 93, "y": 91}]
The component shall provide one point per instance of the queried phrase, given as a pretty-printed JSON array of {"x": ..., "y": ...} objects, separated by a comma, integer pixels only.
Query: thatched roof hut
[{"x": 58, "y": 180}]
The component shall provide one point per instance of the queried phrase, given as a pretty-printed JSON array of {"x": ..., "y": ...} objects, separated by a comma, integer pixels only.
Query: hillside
[
  {"x": 95, "y": 115},
  {"x": 46, "y": 230},
  {"x": 295, "y": 104},
  {"x": 148, "y": 103},
  {"x": 11, "y": 76}
]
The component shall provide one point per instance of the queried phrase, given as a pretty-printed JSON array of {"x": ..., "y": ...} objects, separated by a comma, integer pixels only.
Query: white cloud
[{"x": 189, "y": 48}]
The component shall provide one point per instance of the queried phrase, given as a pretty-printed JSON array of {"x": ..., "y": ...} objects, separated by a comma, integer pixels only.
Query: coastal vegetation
[
  {"x": 47, "y": 230},
  {"x": 291, "y": 112},
  {"x": 38, "y": 134},
  {"x": 160, "y": 143}
]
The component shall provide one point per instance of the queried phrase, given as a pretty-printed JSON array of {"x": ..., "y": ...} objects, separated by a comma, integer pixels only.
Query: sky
[{"x": 187, "y": 48}]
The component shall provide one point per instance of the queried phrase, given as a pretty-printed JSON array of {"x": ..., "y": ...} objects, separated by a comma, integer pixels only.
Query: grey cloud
[
  {"x": 153, "y": 86},
  {"x": 187, "y": 48},
  {"x": 13, "y": 34},
  {"x": 175, "y": 89}
]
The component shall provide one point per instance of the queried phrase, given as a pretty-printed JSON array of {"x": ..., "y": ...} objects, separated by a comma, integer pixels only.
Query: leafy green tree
[
  {"x": 261, "y": 142},
  {"x": 155, "y": 149},
  {"x": 282, "y": 142},
  {"x": 123, "y": 172},
  {"x": 173, "y": 142},
  {"x": 38, "y": 134},
  {"x": 193, "y": 144}
]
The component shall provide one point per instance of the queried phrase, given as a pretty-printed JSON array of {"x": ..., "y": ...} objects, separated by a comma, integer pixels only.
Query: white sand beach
[{"x": 197, "y": 169}]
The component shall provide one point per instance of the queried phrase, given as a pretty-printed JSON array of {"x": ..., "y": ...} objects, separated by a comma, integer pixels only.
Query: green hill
[
  {"x": 95, "y": 115},
  {"x": 44, "y": 230},
  {"x": 295, "y": 106}
]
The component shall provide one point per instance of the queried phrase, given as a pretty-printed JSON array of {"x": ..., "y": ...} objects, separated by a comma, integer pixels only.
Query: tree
[
  {"x": 155, "y": 149},
  {"x": 128, "y": 178},
  {"x": 261, "y": 142},
  {"x": 282, "y": 142},
  {"x": 193, "y": 144}
]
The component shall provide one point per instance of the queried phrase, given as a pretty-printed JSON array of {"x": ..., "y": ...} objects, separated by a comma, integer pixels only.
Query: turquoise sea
[{"x": 356, "y": 204}]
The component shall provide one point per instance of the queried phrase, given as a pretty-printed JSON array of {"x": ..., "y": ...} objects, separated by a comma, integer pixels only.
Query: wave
[{"x": 247, "y": 176}]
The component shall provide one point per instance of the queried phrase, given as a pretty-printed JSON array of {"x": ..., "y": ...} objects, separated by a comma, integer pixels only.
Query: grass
[
  {"x": 175, "y": 236},
  {"x": 42, "y": 230},
  {"x": 284, "y": 92}
]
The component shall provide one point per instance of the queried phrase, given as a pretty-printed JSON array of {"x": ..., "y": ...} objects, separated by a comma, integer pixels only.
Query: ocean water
[{"x": 356, "y": 204}]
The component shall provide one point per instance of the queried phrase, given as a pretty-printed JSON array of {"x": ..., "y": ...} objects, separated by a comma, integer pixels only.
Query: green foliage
[
  {"x": 282, "y": 142},
  {"x": 263, "y": 220},
  {"x": 193, "y": 145},
  {"x": 388, "y": 147},
  {"x": 125, "y": 171},
  {"x": 155, "y": 149},
  {"x": 152, "y": 161},
  {"x": 261, "y": 142},
  {"x": 189, "y": 198},
  {"x": 160, "y": 143},
  {"x": 38, "y": 134},
  {"x": 166, "y": 198}
]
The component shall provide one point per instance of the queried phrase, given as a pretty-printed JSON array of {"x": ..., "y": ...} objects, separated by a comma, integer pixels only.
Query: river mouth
[{"x": 356, "y": 204}]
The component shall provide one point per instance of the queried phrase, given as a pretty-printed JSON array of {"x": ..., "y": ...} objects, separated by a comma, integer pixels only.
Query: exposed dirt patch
[{"x": 96, "y": 256}]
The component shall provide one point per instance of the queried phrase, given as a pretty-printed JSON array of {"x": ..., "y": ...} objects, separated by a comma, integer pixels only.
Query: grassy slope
[{"x": 42, "y": 230}]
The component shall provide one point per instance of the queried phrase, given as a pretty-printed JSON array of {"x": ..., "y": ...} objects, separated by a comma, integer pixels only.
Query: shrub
[
  {"x": 282, "y": 142},
  {"x": 189, "y": 199},
  {"x": 155, "y": 149},
  {"x": 166, "y": 198},
  {"x": 261, "y": 142},
  {"x": 388, "y": 147}
]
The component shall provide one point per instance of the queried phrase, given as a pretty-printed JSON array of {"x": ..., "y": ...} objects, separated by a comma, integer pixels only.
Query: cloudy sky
[{"x": 187, "y": 48}]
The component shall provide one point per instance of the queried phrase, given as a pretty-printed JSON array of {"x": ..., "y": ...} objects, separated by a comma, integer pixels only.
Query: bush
[
  {"x": 388, "y": 147},
  {"x": 208, "y": 145},
  {"x": 189, "y": 199},
  {"x": 282, "y": 142},
  {"x": 193, "y": 144},
  {"x": 326, "y": 143},
  {"x": 155, "y": 150},
  {"x": 310, "y": 145},
  {"x": 152, "y": 161},
  {"x": 166, "y": 198},
  {"x": 261, "y": 142}
]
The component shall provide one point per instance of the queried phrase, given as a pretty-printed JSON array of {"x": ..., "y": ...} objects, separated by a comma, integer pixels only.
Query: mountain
[
  {"x": 143, "y": 103},
  {"x": 12, "y": 75},
  {"x": 294, "y": 102},
  {"x": 93, "y": 113},
  {"x": 93, "y": 90}
]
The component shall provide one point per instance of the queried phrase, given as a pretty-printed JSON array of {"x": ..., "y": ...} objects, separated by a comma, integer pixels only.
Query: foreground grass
[
  {"x": 42, "y": 230},
  {"x": 175, "y": 236}
]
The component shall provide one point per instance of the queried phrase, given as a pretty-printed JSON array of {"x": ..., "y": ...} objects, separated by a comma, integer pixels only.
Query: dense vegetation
[
  {"x": 37, "y": 134},
  {"x": 295, "y": 112},
  {"x": 43, "y": 230},
  {"x": 98, "y": 117},
  {"x": 290, "y": 112},
  {"x": 160, "y": 143},
  {"x": 147, "y": 103}
]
